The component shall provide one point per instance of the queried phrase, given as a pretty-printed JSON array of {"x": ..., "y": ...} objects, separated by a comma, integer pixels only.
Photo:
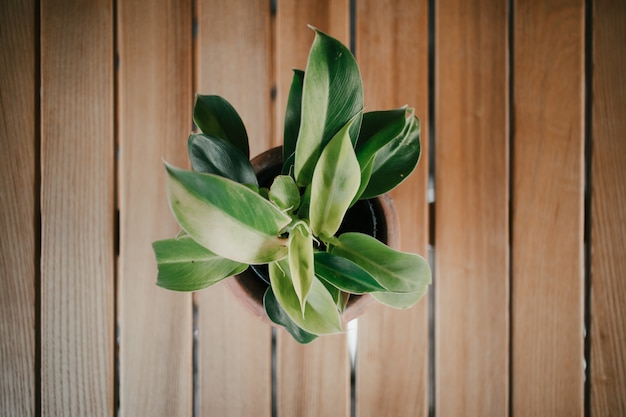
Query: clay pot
[{"x": 376, "y": 217}]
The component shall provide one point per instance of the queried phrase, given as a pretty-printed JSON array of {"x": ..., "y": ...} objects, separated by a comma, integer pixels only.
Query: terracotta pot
[{"x": 249, "y": 287}]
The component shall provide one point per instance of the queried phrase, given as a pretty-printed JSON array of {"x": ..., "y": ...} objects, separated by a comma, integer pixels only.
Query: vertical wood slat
[
  {"x": 392, "y": 352},
  {"x": 471, "y": 180},
  {"x": 77, "y": 204},
  {"x": 154, "y": 113},
  {"x": 608, "y": 211},
  {"x": 547, "y": 195},
  {"x": 18, "y": 202},
  {"x": 234, "y": 348},
  {"x": 304, "y": 385}
]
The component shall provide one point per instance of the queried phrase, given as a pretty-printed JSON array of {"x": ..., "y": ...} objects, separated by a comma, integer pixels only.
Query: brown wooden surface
[
  {"x": 304, "y": 386},
  {"x": 233, "y": 60},
  {"x": 392, "y": 352},
  {"x": 154, "y": 113},
  {"x": 608, "y": 222},
  {"x": 547, "y": 229},
  {"x": 59, "y": 186},
  {"x": 314, "y": 379},
  {"x": 471, "y": 213},
  {"x": 19, "y": 189},
  {"x": 77, "y": 208}
]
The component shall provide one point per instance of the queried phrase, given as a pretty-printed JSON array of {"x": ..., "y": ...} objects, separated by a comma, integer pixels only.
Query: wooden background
[{"x": 523, "y": 108}]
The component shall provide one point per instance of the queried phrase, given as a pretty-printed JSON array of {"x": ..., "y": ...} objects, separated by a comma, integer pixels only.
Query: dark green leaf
[
  {"x": 394, "y": 162},
  {"x": 396, "y": 271},
  {"x": 277, "y": 315},
  {"x": 216, "y": 117},
  {"x": 214, "y": 155},
  {"x": 378, "y": 129},
  {"x": 292, "y": 117},
  {"x": 184, "y": 265},
  {"x": 344, "y": 274},
  {"x": 332, "y": 95}
]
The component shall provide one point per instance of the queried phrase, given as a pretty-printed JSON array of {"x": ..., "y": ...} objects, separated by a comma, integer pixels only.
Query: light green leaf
[
  {"x": 320, "y": 315},
  {"x": 284, "y": 193},
  {"x": 395, "y": 161},
  {"x": 396, "y": 271},
  {"x": 344, "y": 274},
  {"x": 216, "y": 117},
  {"x": 226, "y": 217},
  {"x": 336, "y": 181},
  {"x": 332, "y": 95},
  {"x": 301, "y": 261},
  {"x": 399, "y": 300},
  {"x": 214, "y": 155},
  {"x": 277, "y": 315},
  {"x": 292, "y": 118},
  {"x": 184, "y": 265}
]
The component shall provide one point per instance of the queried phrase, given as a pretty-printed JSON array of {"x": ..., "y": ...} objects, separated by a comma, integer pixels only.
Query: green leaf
[
  {"x": 301, "y": 261},
  {"x": 184, "y": 265},
  {"x": 320, "y": 315},
  {"x": 332, "y": 95},
  {"x": 396, "y": 271},
  {"x": 216, "y": 117},
  {"x": 399, "y": 300},
  {"x": 344, "y": 274},
  {"x": 226, "y": 217},
  {"x": 336, "y": 181},
  {"x": 395, "y": 161},
  {"x": 213, "y": 155},
  {"x": 277, "y": 315},
  {"x": 284, "y": 193},
  {"x": 292, "y": 118},
  {"x": 378, "y": 129}
]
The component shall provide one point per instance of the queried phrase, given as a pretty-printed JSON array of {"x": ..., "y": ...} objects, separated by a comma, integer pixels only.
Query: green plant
[{"x": 334, "y": 155}]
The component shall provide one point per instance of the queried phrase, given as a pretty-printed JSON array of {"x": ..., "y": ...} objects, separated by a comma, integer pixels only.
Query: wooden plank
[
  {"x": 304, "y": 387},
  {"x": 313, "y": 379},
  {"x": 77, "y": 208},
  {"x": 547, "y": 195},
  {"x": 608, "y": 211},
  {"x": 392, "y": 351},
  {"x": 19, "y": 188},
  {"x": 155, "y": 116},
  {"x": 233, "y": 60},
  {"x": 471, "y": 213}
]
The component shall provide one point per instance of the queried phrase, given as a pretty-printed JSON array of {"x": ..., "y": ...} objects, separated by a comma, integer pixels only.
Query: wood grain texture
[
  {"x": 305, "y": 386},
  {"x": 77, "y": 208},
  {"x": 313, "y": 380},
  {"x": 19, "y": 234},
  {"x": 548, "y": 210},
  {"x": 293, "y": 40},
  {"x": 608, "y": 211},
  {"x": 471, "y": 213},
  {"x": 155, "y": 118},
  {"x": 392, "y": 352},
  {"x": 233, "y": 60}
]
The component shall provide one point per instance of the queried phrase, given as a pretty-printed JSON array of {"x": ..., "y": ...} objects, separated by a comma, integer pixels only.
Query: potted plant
[{"x": 334, "y": 156}]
